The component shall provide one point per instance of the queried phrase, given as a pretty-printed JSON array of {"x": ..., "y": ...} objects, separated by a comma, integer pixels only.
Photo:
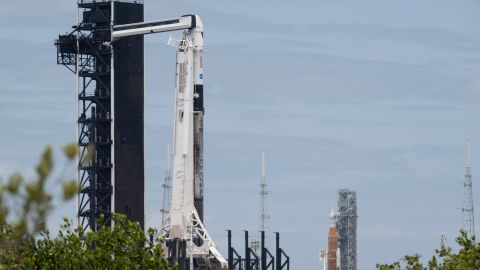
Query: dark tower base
[{"x": 128, "y": 119}]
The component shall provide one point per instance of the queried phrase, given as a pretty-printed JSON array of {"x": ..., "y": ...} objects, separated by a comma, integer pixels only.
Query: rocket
[
  {"x": 198, "y": 113},
  {"x": 186, "y": 214},
  {"x": 187, "y": 180},
  {"x": 184, "y": 226},
  {"x": 332, "y": 250}
]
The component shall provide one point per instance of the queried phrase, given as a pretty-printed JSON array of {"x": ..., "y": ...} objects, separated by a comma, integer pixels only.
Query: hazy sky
[{"x": 375, "y": 96}]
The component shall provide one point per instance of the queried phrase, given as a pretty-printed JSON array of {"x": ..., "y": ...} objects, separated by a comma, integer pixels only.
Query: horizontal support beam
[{"x": 135, "y": 29}]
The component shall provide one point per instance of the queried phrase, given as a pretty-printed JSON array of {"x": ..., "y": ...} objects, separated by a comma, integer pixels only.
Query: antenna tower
[
  {"x": 263, "y": 195},
  {"x": 255, "y": 243},
  {"x": 468, "y": 219},
  {"x": 167, "y": 187}
]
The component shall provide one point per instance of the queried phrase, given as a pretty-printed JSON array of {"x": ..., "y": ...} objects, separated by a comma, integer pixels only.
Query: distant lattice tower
[
  {"x": 167, "y": 187},
  {"x": 468, "y": 220},
  {"x": 346, "y": 225},
  {"x": 263, "y": 195},
  {"x": 264, "y": 217}
]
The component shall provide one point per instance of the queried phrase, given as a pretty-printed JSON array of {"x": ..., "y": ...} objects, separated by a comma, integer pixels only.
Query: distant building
[{"x": 346, "y": 226}]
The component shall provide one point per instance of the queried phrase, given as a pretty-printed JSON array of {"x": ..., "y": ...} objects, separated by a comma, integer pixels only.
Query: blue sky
[{"x": 375, "y": 96}]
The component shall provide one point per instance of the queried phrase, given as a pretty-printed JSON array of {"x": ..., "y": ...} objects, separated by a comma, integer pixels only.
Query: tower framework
[
  {"x": 468, "y": 219},
  {"x": 346, "y": 225},
  {"x": 264, "y": 217},
  {"x": 167, "y": 187},
  {"x": 109, "y": 75},
  {"x": 263, "y": 197}
]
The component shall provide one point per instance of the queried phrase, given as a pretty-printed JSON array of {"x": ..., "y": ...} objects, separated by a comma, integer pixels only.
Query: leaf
[
  {"x": 44, "y": 168},
  {"x": 14, "y": 183},
  {"x": 70, "y": 189},
  {"x": 70, "y": 151}
]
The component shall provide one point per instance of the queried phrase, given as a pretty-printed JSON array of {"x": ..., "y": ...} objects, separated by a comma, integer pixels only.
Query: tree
[
  {"x": 467, "y": 258},
  {"x": 25, "y": 242}
]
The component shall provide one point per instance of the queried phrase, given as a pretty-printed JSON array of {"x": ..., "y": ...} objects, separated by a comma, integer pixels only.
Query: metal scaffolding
[
  {"x": 86, "y": 52},
  {"x": 468, "y": 220},
  {"x": 108, "y": 182},
  {"x": 346, "y": 225},
  {"x": 167, "y": 187}
]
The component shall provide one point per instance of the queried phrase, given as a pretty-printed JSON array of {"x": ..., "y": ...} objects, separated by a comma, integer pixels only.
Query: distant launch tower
[
  {"x": 468, "y": 220},
  {"x": 332, "y": 243},
  {"x": 346, "y": 225}
]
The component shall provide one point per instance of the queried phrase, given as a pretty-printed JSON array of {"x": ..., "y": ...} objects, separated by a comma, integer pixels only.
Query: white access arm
[{"x": 143, "y": 28}]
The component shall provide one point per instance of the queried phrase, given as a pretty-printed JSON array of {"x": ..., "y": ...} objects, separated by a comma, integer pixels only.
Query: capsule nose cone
[{"x": 199, "y": 22}]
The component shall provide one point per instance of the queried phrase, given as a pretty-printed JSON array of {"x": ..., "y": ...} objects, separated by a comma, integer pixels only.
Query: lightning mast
[
  {"x": 167, "y": 187},
  {"x": 263, "y": 224},
  {"x": 468, "y": 219},
  {"x": 263, "y": 195}
]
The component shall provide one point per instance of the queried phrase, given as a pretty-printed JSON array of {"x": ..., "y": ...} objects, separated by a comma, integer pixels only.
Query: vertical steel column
[
  {"x": 247, "y": 253},
  {"x": 278, "y": 252},
  {"x": 183, "y": 255},
  {"x": 263, "y": 251},
  {"x": 112, "y": 110},
  {"x": 172, "y": 251},
  {"x": 230, "y": 251}
]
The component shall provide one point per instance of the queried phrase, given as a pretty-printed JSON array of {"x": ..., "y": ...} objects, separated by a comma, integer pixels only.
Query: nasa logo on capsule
[{"x": 200, "y": 76}]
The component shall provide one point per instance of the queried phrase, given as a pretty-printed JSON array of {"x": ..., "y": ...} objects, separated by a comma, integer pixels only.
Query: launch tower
[
  {"x": 346, "y": 225},
  {"x": 110, "y": 91}
]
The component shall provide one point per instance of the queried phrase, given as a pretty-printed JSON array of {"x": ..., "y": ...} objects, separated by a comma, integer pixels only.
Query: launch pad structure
[
  {"x": 346, "y": 226},
  {"x": 110, "y": 87},
  {"x": 105, "y": 51}
]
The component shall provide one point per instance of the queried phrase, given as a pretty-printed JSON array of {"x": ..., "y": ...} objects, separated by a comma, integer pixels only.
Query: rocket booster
[
  {"x": 332, "y": 250},
  {"x": 198, "y": 113},
  {"x": 187, "y": 187}
]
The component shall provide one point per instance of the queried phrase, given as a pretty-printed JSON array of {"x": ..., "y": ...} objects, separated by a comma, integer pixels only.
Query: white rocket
[{"x": 185, "y": 218}]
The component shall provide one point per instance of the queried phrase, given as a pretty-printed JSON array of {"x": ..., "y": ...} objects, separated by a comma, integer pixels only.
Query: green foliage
[
  {"x": 24, "y": 205},
  {"x": 25, "y": 243},
  {"x": 467, "y": 258},
  {"x": 70, "y": 189},
  {"x": 122, "y": 246},
  {"x": 70, "y": 151}
]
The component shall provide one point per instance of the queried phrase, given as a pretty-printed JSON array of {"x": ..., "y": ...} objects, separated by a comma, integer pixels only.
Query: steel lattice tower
[
  {"x": 263, "y": 223},
  {"x": 263, "y": 196},
  {"x": 109, "y": 75},
  {"x": 468, "y": 220},
  {"x": 167, "y": 187},
  {"x": 346, "y": 226}
]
